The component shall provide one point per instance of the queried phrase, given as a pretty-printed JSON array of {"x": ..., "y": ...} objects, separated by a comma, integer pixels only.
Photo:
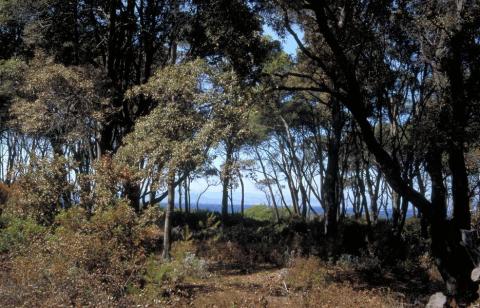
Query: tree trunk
[
  {"x": 242, "y": 201},
  {"x": 168, "y": 216},
  {"x": 450, "y": 256},
  {"x": 269, "y": 186},
  {"x": 331, "y": 174},
  {"x": 132, "y": 193},
  {"x": 232, "y": 210},
  {"x": 187, "y": 194},
  {"x": 226, "y": 177},
  {"x": 180, "y": 197}
]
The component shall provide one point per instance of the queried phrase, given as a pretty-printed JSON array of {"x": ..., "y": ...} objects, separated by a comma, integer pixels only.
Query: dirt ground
[{"x": 267, "y": 287}]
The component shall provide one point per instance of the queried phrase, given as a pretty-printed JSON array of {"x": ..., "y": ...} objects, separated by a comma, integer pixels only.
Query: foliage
[
  {"x": 61, "y": 103},
  {"x": 17, "y": 233},
  {"x": 176, "y": 134},
  {"x": 160, "y": 278},
  {"x": 41, "y": 190},
  {"x": 378, "y": 108},
  {"x": 198, "y": 105},
  {"x": 264, "y": 213},
  {"x": 4, "y": 193},
  {"x": 87, "y": 260},
  {"x": 11, "y": 74},
  {"x": 104, "y": 187}
]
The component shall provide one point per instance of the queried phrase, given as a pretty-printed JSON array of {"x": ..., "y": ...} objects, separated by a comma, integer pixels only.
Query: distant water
[{"x": 212, "y": 207}]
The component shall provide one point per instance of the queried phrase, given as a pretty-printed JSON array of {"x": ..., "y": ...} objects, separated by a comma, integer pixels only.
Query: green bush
[
  {"x": 264, "y": 213},
  {"x": 17, "y": 232}
]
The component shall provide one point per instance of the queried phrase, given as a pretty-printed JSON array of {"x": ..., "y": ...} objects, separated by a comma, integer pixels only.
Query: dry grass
[{"x": 305, "y": 283}]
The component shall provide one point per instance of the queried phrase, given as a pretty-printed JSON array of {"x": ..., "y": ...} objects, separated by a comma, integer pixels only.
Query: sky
[{"x": 252, "y": 194}]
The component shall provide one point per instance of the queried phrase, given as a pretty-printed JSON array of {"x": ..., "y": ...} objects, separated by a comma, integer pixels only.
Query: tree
[
  {"x": 356, "y": 45},
  {"x": 62, "y": 104},
  {"x": 178, "y": 134},
  {"x": 233, "y": 110}
]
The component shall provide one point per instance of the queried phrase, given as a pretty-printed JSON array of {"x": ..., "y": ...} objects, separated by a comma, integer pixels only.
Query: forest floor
[
  {"x": 246, "y": 263},
  {"x": 269, "y": 286}
]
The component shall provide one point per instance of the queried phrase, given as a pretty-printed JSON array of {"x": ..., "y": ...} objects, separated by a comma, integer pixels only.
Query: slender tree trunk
[
  {"x": 404, "y": 207},
  {"x": 282, "y": 197},
  {"x": 423, "y": 217},
  {"x": 363, "y": 194},
  {"x": 269, "y": 186},
  {"x": 226, "y": 177},
  {"x": 186, "y": 188},
  {"x": 297, "y": 167},
  {"x": 396, "y": 202},
  {"x": 231, "y": 201},
  {"x": 289, "y": 176},
  {"x": 180, "y": 197},
  {"x": 242, "y": 200},
  {"x": 168, "y": 216}
]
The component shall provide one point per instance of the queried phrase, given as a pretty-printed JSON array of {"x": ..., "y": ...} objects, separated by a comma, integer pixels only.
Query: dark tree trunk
[
  {"x": 423, "y": 217},
  {"x": 450, "y": 256},
  {"x": 112, "y": 40},
  {"x": 361, "y": 186},
  {"x": 454, "y": 68},
  {"x": 58, "y": 151},
  {"x": 403, "y": 219},
  {"x": 180, "y": 199},
  {"x": 132, "y": 193},
  {"x": 460, "y": 191},
  {"x": 331, "y": 174},
  {"x": 396, "y": 203},
  {"x": 373, "y": 190}
]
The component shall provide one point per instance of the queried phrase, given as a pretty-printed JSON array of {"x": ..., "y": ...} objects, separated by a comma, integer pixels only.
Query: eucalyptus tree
[
  {"x": 233, "y": 110},
  {"x": 62, "y": 104},
  {"x": 125, "y": 41},
  {"x": 359, "y": 48},
  {"x": 128, "y": 40},
  {"x": 180, "y": 132}
]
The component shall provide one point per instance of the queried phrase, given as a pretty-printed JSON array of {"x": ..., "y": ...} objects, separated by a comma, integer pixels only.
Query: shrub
[
  {"x": 4, "y": 193},
  {"x": 16, "y": 232},
  {"x": 264, "y": 213},
  {"x": 160, "y": 278},
  {"x": 41, "y": 190},
  {"x": 87, "y": 260},
  {"x": 305, "y": 273}
]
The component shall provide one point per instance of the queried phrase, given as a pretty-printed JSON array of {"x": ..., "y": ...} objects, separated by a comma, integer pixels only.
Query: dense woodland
[{"x": 111, "y": 109}]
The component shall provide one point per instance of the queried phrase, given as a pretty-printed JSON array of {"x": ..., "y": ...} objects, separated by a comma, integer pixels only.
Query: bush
[
  {"x": 41, "y": 191},
  {"x": 16, "y": 232},
  {"x": 4, "y": 193},
  {"x": 87, "y": 260},
  {"x": 305, "y": 273},
  {"x": 160, "y": 278},
  {"x": 264, "y": 213}
]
